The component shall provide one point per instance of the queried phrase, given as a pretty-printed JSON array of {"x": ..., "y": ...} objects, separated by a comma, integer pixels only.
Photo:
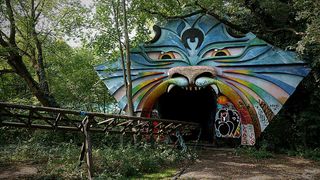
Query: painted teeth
[
  {"x": 170, "y": 87},
  {"x": 196, "y": 88},
  {"x": 215, "y": 88},
  {"x": 191, "y": 88}
]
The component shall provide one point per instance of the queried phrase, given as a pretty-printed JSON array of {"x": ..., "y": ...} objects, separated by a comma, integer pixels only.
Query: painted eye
[
  {"x": 164, "y": 55},
  {"x": 167, "y": 55},
  {"x": 224, "y": 52}
]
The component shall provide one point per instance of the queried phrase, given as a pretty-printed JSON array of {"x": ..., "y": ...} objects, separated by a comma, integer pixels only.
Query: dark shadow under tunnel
[{"x": 192, "y": 106}]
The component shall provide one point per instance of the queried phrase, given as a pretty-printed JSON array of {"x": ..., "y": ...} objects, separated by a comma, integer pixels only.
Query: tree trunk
[
  {"x": 43, "y": 83},
  {"x": 128, "y": 61},
  {"x": 128, "y": 67},
  {"x": 116, "y": 17},
  {"x": 15, "y": 61}
]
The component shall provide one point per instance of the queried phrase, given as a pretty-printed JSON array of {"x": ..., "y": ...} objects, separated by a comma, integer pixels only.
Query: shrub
[
  {"x": 57, "y": 155},
  {"x": 131, "y": 161},
  {"x": 261, "y": 153}
]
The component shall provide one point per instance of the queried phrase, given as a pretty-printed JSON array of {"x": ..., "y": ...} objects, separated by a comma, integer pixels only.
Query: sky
[{"x": 87, "y": 2}]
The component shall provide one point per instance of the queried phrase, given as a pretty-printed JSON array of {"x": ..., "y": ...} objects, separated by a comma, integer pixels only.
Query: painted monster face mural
[{"x": 194, "y": 70}]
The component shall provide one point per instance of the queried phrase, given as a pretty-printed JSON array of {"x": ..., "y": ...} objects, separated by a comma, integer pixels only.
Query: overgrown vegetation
[
  {"x": 313, "y": 154},
  {"x": 65, "y": 74},
  {"x": 261, "y": 153},
  {"x": 57, "y": 155}
]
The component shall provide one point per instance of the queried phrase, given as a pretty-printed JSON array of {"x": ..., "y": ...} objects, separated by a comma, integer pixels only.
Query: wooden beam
[
  {"x": 102, "y": 115},
  {"x": 88, "y": 146}
]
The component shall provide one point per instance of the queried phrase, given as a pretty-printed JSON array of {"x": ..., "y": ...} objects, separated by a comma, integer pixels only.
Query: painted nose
[{"x": 192, "y": 72}]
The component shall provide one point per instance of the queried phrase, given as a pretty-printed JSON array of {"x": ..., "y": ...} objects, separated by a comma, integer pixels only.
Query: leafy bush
[
  {"x": 134, "y": 161},
  {"x": 12, "y": 135},
  {"x": 261, "y": 153},
  {"x": 57, "y": 155},
  {"x": 313, "y": 154}
]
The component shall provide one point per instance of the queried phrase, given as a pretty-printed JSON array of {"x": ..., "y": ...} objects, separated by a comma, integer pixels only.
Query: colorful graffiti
[
  {"x": 227, "y": 121},
  {"x": 253, "y": 78}
]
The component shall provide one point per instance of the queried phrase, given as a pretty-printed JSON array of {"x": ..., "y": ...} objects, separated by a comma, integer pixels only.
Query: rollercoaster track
[{"x": 36, "y": 117}]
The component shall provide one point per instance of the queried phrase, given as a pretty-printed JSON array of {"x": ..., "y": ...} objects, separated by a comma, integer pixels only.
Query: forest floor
[
  {"x": 18, "y": 170},
  {"x": 211, "y": 164}
]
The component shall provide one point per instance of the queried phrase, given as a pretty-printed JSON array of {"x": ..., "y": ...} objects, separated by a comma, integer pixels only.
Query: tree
[
  {"x": 125, "y": 66},
  {"x": 72, "y": 78},
  {"x": 128, "y": 62},
  {"x": 27, "y": 25},
  {"x": 112, "y": 31}
]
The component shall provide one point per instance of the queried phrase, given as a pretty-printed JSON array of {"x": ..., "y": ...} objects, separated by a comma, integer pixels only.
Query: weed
[
  {"x": 57, "y": 155},
  {"x": 313, "y": 154},
  {"x": 261, "y": 153}
]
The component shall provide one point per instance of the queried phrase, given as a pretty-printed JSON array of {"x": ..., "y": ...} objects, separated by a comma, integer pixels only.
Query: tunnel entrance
[{"x": 185, "y": 104}]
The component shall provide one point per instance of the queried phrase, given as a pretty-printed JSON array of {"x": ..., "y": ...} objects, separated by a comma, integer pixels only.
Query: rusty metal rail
[{"x": 36, "y": 117}]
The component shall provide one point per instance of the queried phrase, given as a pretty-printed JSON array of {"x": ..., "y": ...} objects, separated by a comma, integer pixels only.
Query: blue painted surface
[{"x": 251, "y": 73}]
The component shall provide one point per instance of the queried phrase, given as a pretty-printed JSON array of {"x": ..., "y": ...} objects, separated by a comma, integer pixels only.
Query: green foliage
[
  {"x": 14, "y": 89},
  {"x": 297, "y": 125},
  {"x": 261, "y": 153},
  {"x": 313, "y": 154},
  {"x": 57, "y": 156},
  {"x": 133, "y": 161},
  {"x": 105, "y": 42},
  {"x": 292, "y": 25},
  {"x": 164, "y": 174},
  {"x": 72, "y": 77},
  {"x": 13, "y": 136},
  {"x": 55, "y": 161}
]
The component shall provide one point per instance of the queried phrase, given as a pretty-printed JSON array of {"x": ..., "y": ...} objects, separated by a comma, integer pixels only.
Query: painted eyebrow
[
  {"x": 144, "y": 54},
  {"x": 240, "y": 43},
  {"x": 175, "y": 48}
]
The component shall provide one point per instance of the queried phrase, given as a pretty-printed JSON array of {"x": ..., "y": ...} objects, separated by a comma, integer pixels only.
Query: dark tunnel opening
[{"x": 190, "y": 105}]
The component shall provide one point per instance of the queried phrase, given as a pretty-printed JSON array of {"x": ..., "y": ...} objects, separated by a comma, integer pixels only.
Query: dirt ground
[
  {"x": 212, "y": 164},
  {"x": 227, "y": 165},
  {"x": 18, "y": 170}
]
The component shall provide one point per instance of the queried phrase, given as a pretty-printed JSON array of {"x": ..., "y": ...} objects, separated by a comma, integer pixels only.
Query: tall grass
[{"x": 56, "y": 155}]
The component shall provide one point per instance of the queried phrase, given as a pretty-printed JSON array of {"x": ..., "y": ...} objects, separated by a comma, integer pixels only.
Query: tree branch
[
  {"x": 116, "y": 19},
  {"x": 202, "y": 10},
  {"x": 22, "y": 35},
  {"x": 179, "y": 2},
  {"x": 25, "y": 11},
  {"x": 24, "y": 53},
  {"x": 12, "y": 36},
  {"x": 36, "y": 9},
  {"x": 56, "y": 24},
  {"x": 6, "y": 71},
  {"x": 286, "y": 29},
  {"x": 256, "y": 9},
  {"x": 3, "y": 42},
  {"x": 37, "y": 16},
  {"x": 224, "y": 21},
  {"x": 42, "y": 4},
  {"x": 4, "y": 34},
  {"x": 173, "y": 17}
]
